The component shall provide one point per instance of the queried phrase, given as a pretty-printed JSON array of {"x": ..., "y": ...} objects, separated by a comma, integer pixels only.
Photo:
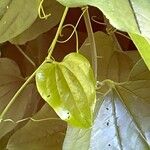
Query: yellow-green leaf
[{"x": 69, "y": 87}]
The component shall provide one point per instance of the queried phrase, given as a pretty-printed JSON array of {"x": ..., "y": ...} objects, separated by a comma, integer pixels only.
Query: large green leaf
[
  {"x": 16, "y": 16},
  {"x": 69, "y": 87},
  {"x": 112, "y": 63},
  {"x": 3, "y": 6},
  {"x": 10, "y": 81},
  {"x": 41, "y": 25},
  {"x": 143, "y": 45},
  {"x": 44, "y": 134}
]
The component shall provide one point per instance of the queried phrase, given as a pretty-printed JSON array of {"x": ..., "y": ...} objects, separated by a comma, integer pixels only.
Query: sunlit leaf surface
[{"x": 69, "y": 87}]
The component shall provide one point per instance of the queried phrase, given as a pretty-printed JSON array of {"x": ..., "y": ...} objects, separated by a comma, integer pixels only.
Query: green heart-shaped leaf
[{"x": 69, "y": 87}]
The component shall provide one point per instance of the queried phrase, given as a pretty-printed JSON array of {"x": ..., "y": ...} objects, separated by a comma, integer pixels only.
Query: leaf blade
[
  {"x": 65, "y": 81},
  {"x": 41, "y": 25},
  {"x": 44, "y": 134},
  {"x": 143, "y": 45},
  {"x": 17, "y": 19},
  {"x": 10, "y": 81}
]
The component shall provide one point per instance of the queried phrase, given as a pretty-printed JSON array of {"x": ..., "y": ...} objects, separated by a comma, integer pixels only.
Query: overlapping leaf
[
  {"x": 112, "y": 63},
  {"x": 143, "y": 45},
  {"x": 77, "y": 138},
  {"x": 24, "y": 106},
  {"x": 134, "y": 55},
  {"x": 69, "y": 87},
  {"x": 139, "y": 72},
  {"x": 45, "y": 133},
  {"x": 16, "y": 16},
  {"x": 124, "y": 116},
  {"x": 41, "y": 25}
]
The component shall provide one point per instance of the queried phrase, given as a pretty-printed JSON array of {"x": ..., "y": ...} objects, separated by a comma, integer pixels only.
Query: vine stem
[
  {"x": 92, "y": 41},
  {"x": 57, "y": 33},
  {"x": 33, "y": 74},
  {"x": 25, "y": 55},
  {"x": 113, "y": 36}
]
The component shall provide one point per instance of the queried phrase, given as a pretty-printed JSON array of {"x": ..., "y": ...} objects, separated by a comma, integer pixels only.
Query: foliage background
[{"x": 34, "y": 36}]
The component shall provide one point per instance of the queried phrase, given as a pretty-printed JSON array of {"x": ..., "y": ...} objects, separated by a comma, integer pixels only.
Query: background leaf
[
  {"x": 38, "y": 135},
  {"x": 112, "y": 63},
  {"x": 139, "y": 71},
  {"x": 41, "y": 25},
  {"x": 134, "y": 55},
  {"x": 10, "y": 81},
  {"x": 16, "y": 16}
]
